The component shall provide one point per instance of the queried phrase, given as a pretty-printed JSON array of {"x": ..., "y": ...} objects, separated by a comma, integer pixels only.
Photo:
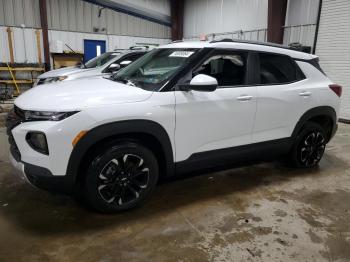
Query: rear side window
[
  {"x": 278, "y": 69},
  {"x": 315, "y": 63}
]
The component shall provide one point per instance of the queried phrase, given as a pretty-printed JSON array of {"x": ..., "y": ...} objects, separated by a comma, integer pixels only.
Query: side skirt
[{"x": 234, "y": 156}]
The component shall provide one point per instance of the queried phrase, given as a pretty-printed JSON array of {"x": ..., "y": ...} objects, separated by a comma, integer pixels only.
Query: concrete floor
[{"x": 265, "y": 212}]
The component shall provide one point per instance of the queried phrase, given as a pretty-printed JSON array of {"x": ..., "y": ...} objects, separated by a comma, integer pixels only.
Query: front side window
[
  {"x": 124, "y": 61},
  {"x": 153, "y": 70},
  {"x": 100, "y": 60},
  {"x": 278, "y": 69},
  {"x": 133, "y": 57},
  {"x": 228, "y": 69}
]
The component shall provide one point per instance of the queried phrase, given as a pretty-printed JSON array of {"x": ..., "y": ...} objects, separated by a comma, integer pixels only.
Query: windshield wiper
[
  {"x": 130, "y": 83},
  {"x": 123, "y": 80},
  {"x": 119, "y": 79}
]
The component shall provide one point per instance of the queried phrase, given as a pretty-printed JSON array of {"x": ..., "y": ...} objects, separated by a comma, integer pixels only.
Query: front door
[
  {"x": 207, "y": 121},
  {"x": 93, "y": 48}
]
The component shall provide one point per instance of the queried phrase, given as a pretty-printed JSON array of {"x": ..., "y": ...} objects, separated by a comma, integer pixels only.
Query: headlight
[
  {"x": 47, "y": 116},
  {"x": 36, "y": 82},
  {"x": 54, "y": 79}
]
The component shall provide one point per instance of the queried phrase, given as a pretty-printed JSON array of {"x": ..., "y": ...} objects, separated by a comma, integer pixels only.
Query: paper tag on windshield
[{"x": 181, "y": 54}]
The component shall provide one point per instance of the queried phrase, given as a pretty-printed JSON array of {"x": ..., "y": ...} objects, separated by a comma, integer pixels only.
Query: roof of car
[{"x": 242, "y": 45}]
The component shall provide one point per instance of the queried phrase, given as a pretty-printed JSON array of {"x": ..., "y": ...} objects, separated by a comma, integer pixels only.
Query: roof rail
[
  {"x": 228, "y": 40},
  {"x": 139, "y": 47}
]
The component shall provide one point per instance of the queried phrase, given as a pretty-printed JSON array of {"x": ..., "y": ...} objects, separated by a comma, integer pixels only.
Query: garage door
[{"x": 333, "y": 46}]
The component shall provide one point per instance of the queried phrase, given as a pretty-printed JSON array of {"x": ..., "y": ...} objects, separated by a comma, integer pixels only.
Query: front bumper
[
  {"x": 18, "y": 167},
  {"x": 42, "y": 178}
]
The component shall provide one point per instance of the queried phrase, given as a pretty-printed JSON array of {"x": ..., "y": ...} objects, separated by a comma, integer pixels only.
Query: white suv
[{"x": 181, "y": 107}]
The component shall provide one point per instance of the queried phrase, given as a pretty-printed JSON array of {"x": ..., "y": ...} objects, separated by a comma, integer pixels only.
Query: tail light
[{"x": 336, "y": 89}]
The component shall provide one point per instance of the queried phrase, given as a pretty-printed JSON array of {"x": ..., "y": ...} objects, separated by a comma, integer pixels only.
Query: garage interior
[{"x": 260, "y": 212}]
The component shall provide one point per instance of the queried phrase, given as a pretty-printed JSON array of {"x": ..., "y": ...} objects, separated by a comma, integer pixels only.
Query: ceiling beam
[{"x": 134, "y": 10}]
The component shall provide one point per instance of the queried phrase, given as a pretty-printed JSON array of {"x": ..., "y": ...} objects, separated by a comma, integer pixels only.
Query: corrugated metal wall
[
  {"x": 300, "y": 12},
  {"x": 160, "y": 6},
  {"x": 78, "y": 16},
  {"x": 24, "y": 45},
  {"x": 18, "y": 12},
  {"x": 301, "y": 19},
  {"x": 259, "y": 35},
  {"x": 333, "y": 47},
  {"x": 217, "y": 16},
  {"x": 26, "y": 51},
  {"x": 72, "y": 21},
  {"x": 76, "y": 40}
]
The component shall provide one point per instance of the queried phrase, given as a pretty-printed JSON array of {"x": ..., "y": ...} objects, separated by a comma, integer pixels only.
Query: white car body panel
[
  {"x": 77, "y": 72},
  {"x": 79, "y": 94},
  {"x": 65, "y": 71},
  {"x": 73, "y": 73},
  {"x": 160, "y": 107},
  {"x": 278, "y": 110},
  {"x": 213, "y": 120}
]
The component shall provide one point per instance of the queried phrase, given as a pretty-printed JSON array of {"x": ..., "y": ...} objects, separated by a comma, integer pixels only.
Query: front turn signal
[{"x": 78, "y": 137}]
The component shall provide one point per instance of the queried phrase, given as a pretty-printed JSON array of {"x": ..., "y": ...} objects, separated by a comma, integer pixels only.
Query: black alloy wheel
[
  {"x": 312, "y": 148},
  {"x": 123, "y": 179},
  {"x": 120, "y": 177},
  {"x": 309, "y": 146}
]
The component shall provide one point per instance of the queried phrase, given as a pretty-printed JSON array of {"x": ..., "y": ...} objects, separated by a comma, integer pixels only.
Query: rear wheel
[
  {"x": 309, "y": 146},
  {"x": 121, "y": 177}
]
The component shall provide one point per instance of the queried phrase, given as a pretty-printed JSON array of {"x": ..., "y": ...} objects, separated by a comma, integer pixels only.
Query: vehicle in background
[{"x": 105, "y": 65}]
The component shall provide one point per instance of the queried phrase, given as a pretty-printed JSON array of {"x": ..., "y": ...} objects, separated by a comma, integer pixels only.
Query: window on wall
[
  {"x": 278, "y": 69},
  {"x": 228, "y": 69}
]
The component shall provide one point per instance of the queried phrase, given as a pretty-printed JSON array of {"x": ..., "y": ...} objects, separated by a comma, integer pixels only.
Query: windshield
[
  {"x": 154, "y": 69},
  {"x": 100, "y": 60}
]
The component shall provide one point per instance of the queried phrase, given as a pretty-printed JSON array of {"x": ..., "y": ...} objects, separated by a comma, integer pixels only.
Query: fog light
[{"x": 37, "y": 141}]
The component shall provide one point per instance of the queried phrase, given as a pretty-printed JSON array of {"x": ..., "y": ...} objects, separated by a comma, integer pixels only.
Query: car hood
[
  {"x": 79, "y": 94},
  {"x": 64, "y": 72}
]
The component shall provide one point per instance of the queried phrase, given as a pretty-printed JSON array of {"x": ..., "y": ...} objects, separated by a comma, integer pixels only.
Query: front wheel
[
  {"x": 121, "y": 177},
  {"x": 309, "y": 146}
]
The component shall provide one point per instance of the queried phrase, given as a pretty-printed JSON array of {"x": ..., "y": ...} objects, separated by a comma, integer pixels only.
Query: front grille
[{"x": 14, "y": 118}]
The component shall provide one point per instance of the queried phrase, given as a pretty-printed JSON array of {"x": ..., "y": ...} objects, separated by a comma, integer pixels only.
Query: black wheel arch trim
[
  {"x": 120, "y": 128},
  {"x": 314, "y": 112}
]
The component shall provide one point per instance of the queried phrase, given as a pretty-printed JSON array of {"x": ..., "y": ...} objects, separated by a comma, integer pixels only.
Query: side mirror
[
  {"x": 202, "y": 83},
  {"x": 125, "y": 63},
  {"x": 113, "y": 68}
]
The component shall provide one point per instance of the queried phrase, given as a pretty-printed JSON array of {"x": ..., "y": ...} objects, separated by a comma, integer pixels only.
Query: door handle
[
  {"x": 244, "y": 98},
  {"x": 305, "y": 94}
]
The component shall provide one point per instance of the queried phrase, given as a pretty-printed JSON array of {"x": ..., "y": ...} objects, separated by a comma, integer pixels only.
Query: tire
[
  {"x": 121, "y": 177},
  {"x": 309, "y": 146}
]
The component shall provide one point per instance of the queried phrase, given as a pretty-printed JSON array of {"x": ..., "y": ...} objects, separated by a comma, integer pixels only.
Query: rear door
[
  {"x": 207, "y": 121},
  {"x": 284, "y": 94}
]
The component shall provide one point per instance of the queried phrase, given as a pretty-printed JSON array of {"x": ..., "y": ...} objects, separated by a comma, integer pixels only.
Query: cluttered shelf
[
  {"x": 19, "y": 81},
  {"x": 38, "y": 69}
]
